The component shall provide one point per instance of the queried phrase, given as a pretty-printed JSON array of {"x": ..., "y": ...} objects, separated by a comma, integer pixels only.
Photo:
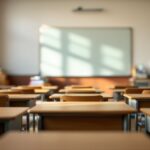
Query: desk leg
[
  {"x": 146, "y": 125},
  {"x": 41, "y": 122},
  {"x": 126, "y": 100},
  {"x": 28, "y": 121},
  {"x": 43, "y": 97},
  {"x": 127, "y": 123},
  {"x": 34, "y": 123},
  {"x": 136, "y": 116}
]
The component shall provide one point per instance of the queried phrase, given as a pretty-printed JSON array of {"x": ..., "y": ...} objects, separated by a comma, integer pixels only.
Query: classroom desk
[
  {"x": 81, "y": 90},
  {"x": 10, "y": 118},
  {"x": 142, "y": 100},
  {"x": 83, "y": 115},
  {"x": 118, "y": 93},
  {"x": 58, "y": 96},
  {"x": 43, "y": 92},
  {"x": 146, "y": 111},
  {"x": 23, "y": 99},
  {"x": 138, "y": 101},
  {"x": 75, "y": 141},
  {"x": 50, "y": 87}
]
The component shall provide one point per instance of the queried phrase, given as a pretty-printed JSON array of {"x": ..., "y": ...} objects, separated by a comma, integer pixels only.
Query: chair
[
  {"x": 81, "y": 90},
  {"x": 28, "y": 87},
  {"x": 133, "y": 91},
  {"x": 4, "y": 101},
  {"x": 80, "y": 86},
  {"x": 123, "y": 86},
  {"x": 27, "y": 91},
  {"x": 82, "y": 98}
]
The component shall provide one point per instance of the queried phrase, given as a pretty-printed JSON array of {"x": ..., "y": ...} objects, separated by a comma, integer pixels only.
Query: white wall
[
  {"x": 23, "y": 18},
  {"x": 1, "y": 31}
]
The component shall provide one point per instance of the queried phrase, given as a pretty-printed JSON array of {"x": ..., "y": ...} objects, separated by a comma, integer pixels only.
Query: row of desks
[
  {"x": 41, "y": 109},
  {"x": 75, "y": 116}
]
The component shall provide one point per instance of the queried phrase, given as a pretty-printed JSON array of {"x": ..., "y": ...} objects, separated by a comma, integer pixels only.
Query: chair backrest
[
  {"x": 81, "y": 86},
  {"x": 146, "y": 92},
  {"x": 124, "y": 86},
  {"x": 27, "y": 91},
  {"x": 82, "y": 98},
  {"x": 78, "y": 87},
  {"x": 133, "y": 91},
  {"x": 28, "y": 87},
  {"x": 4, "y": 100}
]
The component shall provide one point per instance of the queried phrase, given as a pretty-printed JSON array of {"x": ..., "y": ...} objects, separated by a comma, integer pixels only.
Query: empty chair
[
  {"x": 81, "y": 90},
  {"x": 81, "y": 86},
  {"x": 78, "y": 87},
  {"x": 27, "y": 91},
  {"x": 123, "y": 86},
  {"x": 133, "y": 91},
  {"x": 4, "y": 101},
  {"x": 82, "y": 98}
]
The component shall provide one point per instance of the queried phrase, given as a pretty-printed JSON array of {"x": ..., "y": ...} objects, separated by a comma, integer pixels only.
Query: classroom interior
[{"x": 74, "y": 74}]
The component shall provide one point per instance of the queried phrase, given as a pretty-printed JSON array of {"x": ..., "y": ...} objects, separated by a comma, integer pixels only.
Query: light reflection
[
  {"x": 106, "y": 72},
  {"x": 79, "y": 50},
  {"x": 79, "y": 39},
  {"x": 112, "y": 57},
  {"x": 49, "y": 41},
  {"x": 111, "y": 51},
  {"x": 51, "y": 56},
  {"x": 77, "y": 67}
]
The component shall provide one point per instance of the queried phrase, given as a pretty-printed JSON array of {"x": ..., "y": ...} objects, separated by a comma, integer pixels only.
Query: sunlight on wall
[
  {"x": 79, "y": 45},
  {"x": 112, "y": 58},
  {"x": 51, "y": 61},
  {"x": 106, "y": 71},
  {"x": 77, "y": 67},
  {"x": 51, "y": 37}
]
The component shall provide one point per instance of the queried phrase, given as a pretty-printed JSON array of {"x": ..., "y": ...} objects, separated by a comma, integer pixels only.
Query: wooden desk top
[
  {"x": 81, "y": 90},
  {"x": 59, "y": 95},
  {"x": 119, "y": 90},
  {"x": 83, "y": 107},
  {"x": 138, "y": 96},
  {"x": 75, "y": 141},
  {"x": 11, "y": 112},
  {"x": 9, "y": 91},
  {"x": 145, "y": 111},
  {"x": 36, "y": 87},
  {"x": 41, "y": 91},
  {"x": 50, "y": 87},
  {"x": 23, "y": 96}
]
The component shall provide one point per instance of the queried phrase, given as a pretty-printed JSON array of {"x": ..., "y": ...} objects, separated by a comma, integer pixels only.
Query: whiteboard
[{"x": 85, "y": 52}]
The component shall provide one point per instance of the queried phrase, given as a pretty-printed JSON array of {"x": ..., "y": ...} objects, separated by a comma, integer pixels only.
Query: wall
[
  {"x": 23, "y": 18},
  {"x": 1, "y": 33}
]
